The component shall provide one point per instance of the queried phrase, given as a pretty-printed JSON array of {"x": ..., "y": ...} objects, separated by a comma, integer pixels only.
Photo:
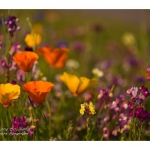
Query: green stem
[
  {"x": 44, "y": 123},
  {"x": 49, "y": 111},
  {"x": 88, "y": 129},
  {"x": 102, "y": 137},
  {"x": 32, "y": 32}
]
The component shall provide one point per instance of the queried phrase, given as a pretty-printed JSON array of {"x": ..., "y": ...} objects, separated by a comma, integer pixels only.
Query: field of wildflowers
[{"x": 66, "y": 76}]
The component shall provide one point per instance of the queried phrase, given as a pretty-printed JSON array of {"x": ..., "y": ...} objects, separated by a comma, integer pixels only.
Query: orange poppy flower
[
  {"x": 55, "y": 57},
  {"x": 37, "y": 90},
  {"x": 25, "y": 60}
]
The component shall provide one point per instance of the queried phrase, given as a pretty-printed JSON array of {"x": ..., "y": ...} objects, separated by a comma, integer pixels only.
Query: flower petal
[{"x": 72, "y": 81}]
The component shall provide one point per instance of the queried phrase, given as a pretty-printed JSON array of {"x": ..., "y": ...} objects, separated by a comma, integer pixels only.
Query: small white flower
[
  {"x": 71, "y": 63},
  {"x": 97, "y": 72}
]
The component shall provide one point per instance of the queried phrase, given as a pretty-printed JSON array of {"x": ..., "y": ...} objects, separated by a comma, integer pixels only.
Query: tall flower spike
[
  {"x": 8, "y": 93},
  {"x": 12, "y": 26},
  {"x": 77, "y": 85},
  {"x": 37, "y": 90},
  {"x": 25, "y": 60}
]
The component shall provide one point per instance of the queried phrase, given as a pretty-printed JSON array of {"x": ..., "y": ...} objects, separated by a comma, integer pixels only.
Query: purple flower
[
  {"x": 20, "y": 75},
  {"x": 1, "y": 44},
  {"x": 4, "y": 63},
  {"x": 132, "y": 61},
  {"x": 138, "y": 95},
  {"x": 32, "y": 130},
  {"x": 13, "y": 82},
  {"x": 142, "y": 114},
  {"x": 144, "y": 91},
  {"x": 19, "y": 125},
  {"x": 106, "y": 133},
  {"x": 11, "y": 24},
  {"x": 62, "y": 44},
  {"x": 15, "y": 48},
  {"x": 78, "y": 46},
  {"x": 104, "y": 95},
  {"x": 105, "y": 64},
  {"x": 140, "y": 80},
  {"x": 148, "y": 70}
]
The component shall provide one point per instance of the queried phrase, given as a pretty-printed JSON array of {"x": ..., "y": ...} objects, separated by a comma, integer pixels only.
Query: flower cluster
[
  {"x": 19, "y": 125},
  {"x": 87, "y": 108},
  {"x": 12, "y": 26},
  {"x": 138, "y": 96}
]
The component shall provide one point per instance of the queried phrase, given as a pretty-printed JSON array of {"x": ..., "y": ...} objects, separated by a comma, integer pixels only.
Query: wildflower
[
  {"x": 130, "y": 62},
  {"x": 62, "y": 44},
  {"x": 31, "y": 131},
  {"x": 106, "y": 133},
  {"x": 37, "y": 90},
  {"x": 71, "y": 63},
  {"x": 77, "y": 85},
  {"x": 11, "y": 24},
  {"x": 1, "y": 44},
  {"x": 55, "y": 57},
  {"x": 19, "y": 122},
  {"x": 128, "y": 39},
  {"x": 20, "y": 75},
  {"x": 33, "y": 39},
  {"x": 13, "y": 82},
  {"x": 15, "y": 48},
  {"x": 97, "y": 72},
  {"x": 148, "y": 74},
  {"x": 138, "y": 95},
  {"x": 8, "y": 93},
  {"x": 87, "y": 108},
  {"x": 19, "y": 126},
  {"x": 142, "y": 114},
  {"x": 104, "y": 95},
  {"x": 3, "y": 63},
  {"x": 25, "y": 60}
]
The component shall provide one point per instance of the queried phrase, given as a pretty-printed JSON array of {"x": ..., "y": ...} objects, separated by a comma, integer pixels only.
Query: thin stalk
[
  {"x": 44, "y": 123},
  {"x": 30, "y": 25},
  {"x": 87, "y": 137}
]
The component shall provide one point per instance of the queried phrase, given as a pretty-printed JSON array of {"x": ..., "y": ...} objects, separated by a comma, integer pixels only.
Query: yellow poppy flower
[
  {"x": 33, "y": 40},
  {"x": 77, "y": 85},
  {"x": 87, "y": 108},
  {"x": 8, "y": 93}
]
